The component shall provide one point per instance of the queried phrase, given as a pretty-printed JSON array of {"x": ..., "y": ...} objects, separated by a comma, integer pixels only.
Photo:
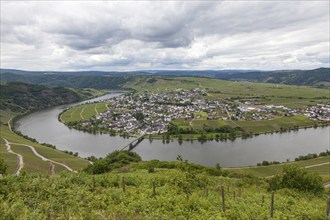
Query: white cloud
[{"x": 164, "y": 35}]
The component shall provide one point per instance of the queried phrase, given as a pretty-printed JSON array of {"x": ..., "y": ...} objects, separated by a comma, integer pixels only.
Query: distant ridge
[{"x": 319, "y": 77}]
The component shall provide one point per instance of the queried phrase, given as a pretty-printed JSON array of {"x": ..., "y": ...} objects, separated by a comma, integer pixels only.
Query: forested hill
[
  {"x": 68, "y": 80},
  {"x": 22, "y": 97},
  {"x": 317, "y": 77}
]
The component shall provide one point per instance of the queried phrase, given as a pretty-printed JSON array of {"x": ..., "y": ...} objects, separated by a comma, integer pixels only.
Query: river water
[{"x": 44, "y": 126}]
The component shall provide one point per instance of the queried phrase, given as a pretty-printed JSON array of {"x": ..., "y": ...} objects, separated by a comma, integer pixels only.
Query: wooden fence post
[
  {"x": 93, "y": 182},
  {"x": 153, "y": 188},
  {"x": 272, "y": 205},
  {"x": 327, "y": 210},
  {"x": 262, "y": 200},
  {"x": 187, "y": 190},
  {"x": 234, "y": 195},
  {"x": 223, "y": 198},
  {"x": 123, "y": 183},
  {"x": 206, "y": 191}
]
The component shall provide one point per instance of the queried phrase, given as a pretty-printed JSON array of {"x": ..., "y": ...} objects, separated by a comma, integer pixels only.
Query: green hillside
[
  {"x": 133, "y": 192},
  {"x": 18, "y": 98},
  {"x": 22, "y": 97}
]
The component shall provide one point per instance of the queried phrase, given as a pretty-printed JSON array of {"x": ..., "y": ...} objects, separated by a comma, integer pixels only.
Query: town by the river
[{"x": 240, "y": 152}]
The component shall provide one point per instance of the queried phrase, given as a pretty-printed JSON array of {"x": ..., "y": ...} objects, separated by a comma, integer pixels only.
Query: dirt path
[
  {"x": 317, "y": 165},
  {"x": 9, "y": 124},
  {"x": 44, "y": 158},
  {"x": 81, "y": 116},
  {"x": 190, "y": 123},
  {"x": 20, "y": 158},
  {"x": 51, "y": 168},
  {"x": 95, "y": 108},
  {"x": 229, "y": 116},
  {"x": 326, "y": 185}
]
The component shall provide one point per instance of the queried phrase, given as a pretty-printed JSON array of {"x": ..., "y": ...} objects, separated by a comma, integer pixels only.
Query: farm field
[
  {"x": 255, "y": 127},
  {"x": 275, "y": 124},
  {"x": 83, "y": 112}
]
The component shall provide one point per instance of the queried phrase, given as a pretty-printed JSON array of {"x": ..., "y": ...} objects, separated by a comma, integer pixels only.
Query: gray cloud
[{"x": 164, "y": 35}]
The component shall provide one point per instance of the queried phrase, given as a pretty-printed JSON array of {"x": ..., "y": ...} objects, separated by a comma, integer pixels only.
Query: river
[{"x": 45, "y": 128}]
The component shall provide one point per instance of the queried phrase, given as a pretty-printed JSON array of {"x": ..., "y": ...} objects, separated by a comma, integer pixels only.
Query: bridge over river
[{"x": 134, "y": 143}]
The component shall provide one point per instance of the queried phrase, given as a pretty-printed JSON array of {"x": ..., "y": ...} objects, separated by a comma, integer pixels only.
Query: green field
[
  {"x": 256, "y": 127},
  {"x": 275, "y": 124},
  {"x": 266, "y": 171},
  {"x": 83, "y": 112}
]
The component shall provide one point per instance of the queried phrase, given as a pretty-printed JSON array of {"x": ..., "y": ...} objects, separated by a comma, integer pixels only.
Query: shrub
[
  {"x": 294, "y": 177},
  {"x": 114, "y": 160},
  {"x": 3, "y": 167}
]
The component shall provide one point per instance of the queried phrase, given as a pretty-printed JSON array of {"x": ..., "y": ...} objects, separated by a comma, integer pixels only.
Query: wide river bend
[{"x": 45, "y": 128}]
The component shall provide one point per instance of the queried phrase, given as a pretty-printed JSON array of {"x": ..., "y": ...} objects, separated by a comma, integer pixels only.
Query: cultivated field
[{"x": 83, "y": 112}]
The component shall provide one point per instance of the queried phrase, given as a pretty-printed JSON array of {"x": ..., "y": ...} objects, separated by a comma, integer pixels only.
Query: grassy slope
[
  {"x": 32, "y": 161},
  {"x": 264, "y": 171},
  {"x": 73, "y": 196}
]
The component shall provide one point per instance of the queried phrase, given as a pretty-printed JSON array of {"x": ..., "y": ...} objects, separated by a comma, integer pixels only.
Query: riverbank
[{"x": 238, "y": 152}]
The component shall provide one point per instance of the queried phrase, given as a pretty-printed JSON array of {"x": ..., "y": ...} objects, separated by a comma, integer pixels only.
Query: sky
[{"x": 164, "y": 35}]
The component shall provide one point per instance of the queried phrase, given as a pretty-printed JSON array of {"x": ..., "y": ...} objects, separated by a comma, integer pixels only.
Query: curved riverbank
[{"x": 45, "y": 127}]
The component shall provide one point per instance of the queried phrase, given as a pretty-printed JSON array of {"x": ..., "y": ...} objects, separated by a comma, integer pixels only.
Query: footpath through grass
[
  {"x": 266, "y": 171},
  {"x": 31, "y": 162}
]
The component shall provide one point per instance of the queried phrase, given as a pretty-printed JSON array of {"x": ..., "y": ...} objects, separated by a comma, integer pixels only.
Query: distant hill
[
  {"x": 68, "y": 80},
  {"x": 22, "y": 97},
  {"x": 115, "y": 80},
  {"x": 317, "y": 77}
]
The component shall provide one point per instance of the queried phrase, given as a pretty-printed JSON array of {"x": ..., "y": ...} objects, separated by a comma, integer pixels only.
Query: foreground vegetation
[{"x": 160, "y": 190}]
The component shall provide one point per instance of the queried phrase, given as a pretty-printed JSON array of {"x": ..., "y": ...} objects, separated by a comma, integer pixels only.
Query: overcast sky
[{"x": 195, "y": 35}]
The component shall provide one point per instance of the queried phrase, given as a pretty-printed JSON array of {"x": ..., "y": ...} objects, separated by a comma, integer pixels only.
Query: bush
[
  {"x": 151, "y": 169},
  {"x": 294, "y": 177},
  {"x": 114, "y": 160},
  {"x": 3, "y": 167}
]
